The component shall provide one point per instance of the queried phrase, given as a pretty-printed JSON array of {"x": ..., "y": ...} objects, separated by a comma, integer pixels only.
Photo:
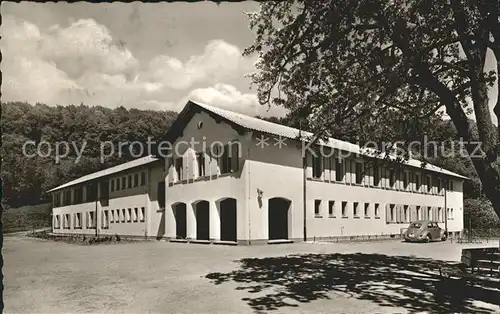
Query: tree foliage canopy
[
  {"x": 367, "y": 62},
  {"x": 26, "y": 179}
]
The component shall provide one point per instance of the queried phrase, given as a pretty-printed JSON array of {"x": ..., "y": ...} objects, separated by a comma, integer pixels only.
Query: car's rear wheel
[
  {"x": 428, "y": 238},
  {"x": 444, "y": 237}
]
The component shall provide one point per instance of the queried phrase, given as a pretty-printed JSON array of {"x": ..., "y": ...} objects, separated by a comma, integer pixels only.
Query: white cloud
[
  {"x": 228, "y": 97},
  {"x": 219, "y": 60},
  {"x": 82, "y": 62}
]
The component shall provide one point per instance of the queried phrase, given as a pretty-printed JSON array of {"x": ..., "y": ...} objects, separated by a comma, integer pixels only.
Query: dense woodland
[{"x": 25, "y": 179}]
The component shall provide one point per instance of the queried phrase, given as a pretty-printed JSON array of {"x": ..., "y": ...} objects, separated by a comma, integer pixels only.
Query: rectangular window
[
  {"x": 339, "y": 170},
  {"x": 161, "y": 194},
  {"x": 78, "y": 195},
  {"x": 57, "y": 222},
  {"x": 124, "y": 218},
  {"x": 234, "y": 157},
  {"x": 417, "y": 183},
  {"x": 392, "y": 213},
  {"x": 419, "y": 213},
  {"x": 377, "y": 210},
  {"x": 124, "y": 183},
  {"x": 376, "y": 175},
  {"x": 450, "y": 185},
  {"x": 392, "y": 178},
  {"x": 230, "y": 158},
  {"x": 440, "y": 214},
  {"x": 226, "y": 160},
  {"x": 344, "y": 209},
  {"x": 104, "y": 186},
  {"x": 111, "y": 216},
  {"x": 129, "y": 182},
  {"x": 405, "y": 180},
  {"x": 67, "y": 221},
  {"x": 331, "y": 208},
  {"x": 65, "y": 199},
  {"x": 105, "y": 219},
  {"x": 78, "y": 220},
  {"x": 355, "y": 209},
  {"x": 179, "y": 168},
  {"x": 112, "y": 185},
  {"x": 438, "y": 185},
  {"x": 92, "y": 192},
  {"x": 200, "y": 159},
  {"x": 317, "y": 166},
  {"x": 91, "y": 223},
  {"x": 317, "y": 208},
  {"x": 143, "y": 178},
  {"x": 136, "y": 214},
  {"x": 136, "y": 180},
  {"x": 117, "y": 216},
  {"x": 142, "y": 216},
  {"x": 118, "y": 184},
  {"x": 367, "y": 209},
  {"x": 359, "y": 173},
  {"x": 429, "y": 212},
  {"x": 429, "y": 186},
  {"x": 129, "y": 215},
  {"x": 406, "y": 214}
]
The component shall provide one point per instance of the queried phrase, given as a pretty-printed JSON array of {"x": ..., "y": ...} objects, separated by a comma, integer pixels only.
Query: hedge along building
[
  {"x": 127, "y": 199},
  {"x": 231, "y": 177}
]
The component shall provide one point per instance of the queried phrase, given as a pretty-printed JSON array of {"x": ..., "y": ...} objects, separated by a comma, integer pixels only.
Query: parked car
[{"x": 425, "y": 231}]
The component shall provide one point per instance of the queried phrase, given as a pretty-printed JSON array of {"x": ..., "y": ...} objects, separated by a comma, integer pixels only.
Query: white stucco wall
[
  {"x": 269, "y": 171},
  {"x": 264, "y": 172},
  {"x": 135, "y": 197},
  {"x": 213, "y": 187}
]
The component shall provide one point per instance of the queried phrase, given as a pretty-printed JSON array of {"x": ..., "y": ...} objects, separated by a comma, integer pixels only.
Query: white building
[
  {"x": 234, "y": 178},
  {"x": 231, "y": 186},
  {"x": 127, "y": 200}
]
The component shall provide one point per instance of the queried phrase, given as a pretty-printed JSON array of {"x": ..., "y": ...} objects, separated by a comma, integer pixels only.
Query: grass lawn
[{"x": 157, "y": 277}]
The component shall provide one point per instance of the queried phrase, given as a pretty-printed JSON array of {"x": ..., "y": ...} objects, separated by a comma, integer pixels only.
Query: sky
[{"x": 136, "y": 55}]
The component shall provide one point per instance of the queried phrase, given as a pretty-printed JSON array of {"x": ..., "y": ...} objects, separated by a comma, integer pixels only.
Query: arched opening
[
  {"x": 228, "y": 222},
  {"x": 180, "y": 220},
  {"x": 202, "y": 214},
  {"x": 278, "y": 210}
]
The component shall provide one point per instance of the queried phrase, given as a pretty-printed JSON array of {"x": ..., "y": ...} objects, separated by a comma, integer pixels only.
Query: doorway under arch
[
  {"x": 278, "y": 213},
  {"x": 180, "y": 215},
  {"x": 202, "y": 214},
  {"x": 228, "y": 221}
]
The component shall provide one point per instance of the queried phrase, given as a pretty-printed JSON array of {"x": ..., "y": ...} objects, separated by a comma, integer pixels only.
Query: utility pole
[
  {"x": 304, "y": 181},
  {"x": 446, "y": 208}
]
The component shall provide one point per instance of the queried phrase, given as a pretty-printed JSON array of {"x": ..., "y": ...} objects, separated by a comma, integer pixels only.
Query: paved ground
[{"x": 387, "y": 277}]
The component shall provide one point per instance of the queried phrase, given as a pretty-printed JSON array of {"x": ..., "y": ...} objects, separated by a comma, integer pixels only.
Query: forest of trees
[{"x": 26, "y": 179}]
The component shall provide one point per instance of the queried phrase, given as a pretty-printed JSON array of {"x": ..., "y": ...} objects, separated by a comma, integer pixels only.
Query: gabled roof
[
  {"x": 243, "y": 122},
  {"x": 106, "y": 172}
]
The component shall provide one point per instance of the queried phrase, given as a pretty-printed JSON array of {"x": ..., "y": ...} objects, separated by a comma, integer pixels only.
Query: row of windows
[
  {"x": 355, "y": 172},
  {"x": 75, "y": 220},
  {"x": 226, "y": 159},
  {"x": 332, "y": 209},
  {"x": 395, "y": 213},
  {"x": 124, "y": 215},
  {"x": 128, "y": 182},
  {"x": 65, "y": 197}
]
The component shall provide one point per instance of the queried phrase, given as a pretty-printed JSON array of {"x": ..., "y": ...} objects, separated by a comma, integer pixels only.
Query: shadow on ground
[{"x": 395, "y": 281}]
